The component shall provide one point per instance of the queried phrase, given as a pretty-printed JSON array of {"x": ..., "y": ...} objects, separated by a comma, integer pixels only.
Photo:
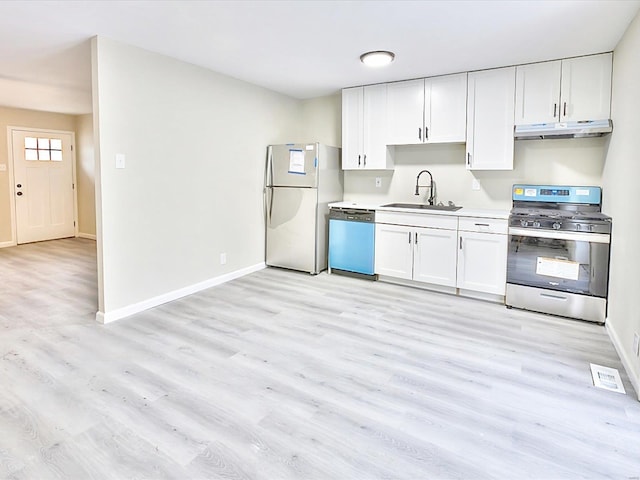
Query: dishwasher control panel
[{"x": 353, "y": 215}]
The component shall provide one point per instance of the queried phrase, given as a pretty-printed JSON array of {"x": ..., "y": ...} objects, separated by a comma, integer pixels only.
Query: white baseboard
[
  {"x": 634, "y": 376},
  {"x": 108, "y": 317},
  {"x": 90, "y": 236},
  {"x": 7, "y": 244}
]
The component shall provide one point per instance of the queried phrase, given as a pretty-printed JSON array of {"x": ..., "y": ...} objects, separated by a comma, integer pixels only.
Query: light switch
[
  {"x": 120, "y": 160},
  {"x": 3, "y": 167},
  {"x": 475, "y": 184},
  {"x": 378, "y": 182}
]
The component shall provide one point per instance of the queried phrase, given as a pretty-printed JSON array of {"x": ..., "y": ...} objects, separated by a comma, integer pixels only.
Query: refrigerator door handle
[
  {"x": 270, "y": 204},
  {"x": 268, "y": 180}
]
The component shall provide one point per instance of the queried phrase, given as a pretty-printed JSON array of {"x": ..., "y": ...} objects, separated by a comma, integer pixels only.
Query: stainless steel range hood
[{"x": 586, "y": 128}]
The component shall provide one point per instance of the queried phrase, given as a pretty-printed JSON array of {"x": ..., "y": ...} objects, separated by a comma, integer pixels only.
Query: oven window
[{"x": 564, "y": 265}]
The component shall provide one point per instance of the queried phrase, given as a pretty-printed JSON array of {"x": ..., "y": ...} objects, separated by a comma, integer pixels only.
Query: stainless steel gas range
[{"x": 558, "y": 259}]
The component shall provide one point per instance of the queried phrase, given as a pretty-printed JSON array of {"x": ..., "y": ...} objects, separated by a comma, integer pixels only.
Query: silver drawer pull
[
  {"x": 555, "y": 297},
  {"x": 481, "y": 224}
]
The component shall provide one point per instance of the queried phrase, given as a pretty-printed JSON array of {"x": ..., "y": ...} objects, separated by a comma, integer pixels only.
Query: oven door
[{"x": 562, "y": 261}]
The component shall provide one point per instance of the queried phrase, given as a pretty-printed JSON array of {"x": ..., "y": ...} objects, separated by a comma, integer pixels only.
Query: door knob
[
  {"x": 19, "y": 194},
  {"x": 19, "y": 185}
]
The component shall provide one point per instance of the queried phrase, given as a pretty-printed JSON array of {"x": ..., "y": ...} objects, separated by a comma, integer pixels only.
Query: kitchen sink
[{"x": 422, "y": 206}]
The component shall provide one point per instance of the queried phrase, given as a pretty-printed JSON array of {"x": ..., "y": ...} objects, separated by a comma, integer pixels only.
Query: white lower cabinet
[
  {"x": 482, "y": 255},
  {"x": 417, "y": 253},
  {"x": 434, "y": 259},
  {"x": 467, "y": 253},
  {"x": 394, "y": 251}
]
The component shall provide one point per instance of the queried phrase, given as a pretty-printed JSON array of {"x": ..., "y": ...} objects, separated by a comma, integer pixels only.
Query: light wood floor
[{"x": 281, "y": 375}]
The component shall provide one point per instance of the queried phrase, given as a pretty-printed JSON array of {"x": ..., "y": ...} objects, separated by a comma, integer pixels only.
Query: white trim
[
  {"x": 12, "y": 183},
  {"x": 627, "y": 363},
  {"x": 90, "y": 236},
  {"x": 9, "y": 243},
  {"x": 108, "y": 317}
]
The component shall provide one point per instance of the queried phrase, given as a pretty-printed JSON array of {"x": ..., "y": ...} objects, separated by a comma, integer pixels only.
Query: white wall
[
  {"x": 621, "y": 176},
  {"x": 322, "y": 120},
  {"x": 195, "y": 144},
  {"x": 566, "y": 161},
  {"x": 85, "y": 176}
]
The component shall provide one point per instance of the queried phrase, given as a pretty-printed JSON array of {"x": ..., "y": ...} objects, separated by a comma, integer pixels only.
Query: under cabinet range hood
[{"x": 581, "y": 129}]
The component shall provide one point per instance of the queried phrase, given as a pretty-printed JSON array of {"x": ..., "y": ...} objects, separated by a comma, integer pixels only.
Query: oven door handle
[{"x": 561, "y": 235}]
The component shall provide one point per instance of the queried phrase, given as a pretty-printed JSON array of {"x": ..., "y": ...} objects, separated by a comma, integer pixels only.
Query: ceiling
[{"x": 301, "y": 48}]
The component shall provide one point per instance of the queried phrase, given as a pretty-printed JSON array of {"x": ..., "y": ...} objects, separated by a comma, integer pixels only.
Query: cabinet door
[
  {"x": 490, "y": 104},
  {"x": 482, "y": 262},
  {"x": 375, "y": 152},
  {"x": 394, "y": 251},
  {"x": 352, "y": 124},
  {"x": 405, "y": 122},
  {"x": 537, "y": 93},
  {"x": 435, "y": 254},
  {"x": 586, "y": 88},
  {"x": 445, "y": 116}
]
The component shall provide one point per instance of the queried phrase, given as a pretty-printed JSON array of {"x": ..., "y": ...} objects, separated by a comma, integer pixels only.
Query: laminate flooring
[{"x": 283, "y": 375}]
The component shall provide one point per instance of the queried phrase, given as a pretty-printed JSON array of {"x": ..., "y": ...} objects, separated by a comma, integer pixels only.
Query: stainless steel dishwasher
[{"x": 352, "y": 241}]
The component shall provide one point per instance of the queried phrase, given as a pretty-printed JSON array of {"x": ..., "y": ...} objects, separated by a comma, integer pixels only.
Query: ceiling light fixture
[{"x": 379, "y": 58}]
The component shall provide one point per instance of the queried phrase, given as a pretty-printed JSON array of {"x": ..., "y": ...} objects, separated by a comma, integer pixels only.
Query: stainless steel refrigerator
[{"x": 300, "y": 182}]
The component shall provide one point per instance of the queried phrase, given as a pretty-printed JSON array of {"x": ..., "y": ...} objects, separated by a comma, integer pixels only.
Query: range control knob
[
  {"x": 556, "y": 225},
  {"x": 523, "y": 223},
  {"x": 536, "y": 224}
]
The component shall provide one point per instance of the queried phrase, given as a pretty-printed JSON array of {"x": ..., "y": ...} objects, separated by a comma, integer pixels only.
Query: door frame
[{"x": 12, "y": 182}]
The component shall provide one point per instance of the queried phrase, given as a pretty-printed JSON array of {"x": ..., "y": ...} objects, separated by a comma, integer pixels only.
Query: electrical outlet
[
  {"x": 223, "y": 258},
  {"x": 378, "y": 182},
  {"x": 636, "y": 344},
  {"x": 475, "y": 184}
]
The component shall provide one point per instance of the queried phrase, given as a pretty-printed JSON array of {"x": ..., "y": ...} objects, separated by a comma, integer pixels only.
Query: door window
[{"x": 43, "y": 149}]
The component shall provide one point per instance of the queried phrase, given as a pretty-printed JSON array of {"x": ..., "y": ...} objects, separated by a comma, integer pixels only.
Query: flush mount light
[{"x": 378, "y": 58}]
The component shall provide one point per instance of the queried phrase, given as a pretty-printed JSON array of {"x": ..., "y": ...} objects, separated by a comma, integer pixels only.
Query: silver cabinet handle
[
  {"x": 460, "y": 243},
  {"x": 468, "y": 159},
  {"x": 359, "y": 160},
  {"x": 409, "y": 237},
  {"x": 419, "y": 133},
  {"x": 555, "y": 110},
  {"x": 426, "y": 133},
  {"x": 565, "y": 109},
  {"x": 481, "y": 224},
  {"x": 365, "y": 160},
  {"x": 416, "y": 238}
]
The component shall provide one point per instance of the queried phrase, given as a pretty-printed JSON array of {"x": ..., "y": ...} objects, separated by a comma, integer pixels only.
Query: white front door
[{"x": 43, "y": 181}]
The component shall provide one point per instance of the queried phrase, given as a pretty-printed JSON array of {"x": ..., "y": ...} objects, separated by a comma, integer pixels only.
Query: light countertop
[{"x": 463, "y": 212}]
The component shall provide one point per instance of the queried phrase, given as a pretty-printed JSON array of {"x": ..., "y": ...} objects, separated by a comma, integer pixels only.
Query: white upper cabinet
[
  {"x": 352, "y": 121},
  {"x": 585, "y": 92},
  {"x": 405, "y": 114},
  {"x": 537, "y": 93},
  {"x": 430, "y": 110},
  {"x": 364, "y": 123},
  {"x": 564, "y": 90},
  {"x": 490, "y": 104},
  {"x": 445, "y": 114}
]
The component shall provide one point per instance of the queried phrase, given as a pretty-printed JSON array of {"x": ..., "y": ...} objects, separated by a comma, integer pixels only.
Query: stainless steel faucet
[{"x": 431, "y": 186}]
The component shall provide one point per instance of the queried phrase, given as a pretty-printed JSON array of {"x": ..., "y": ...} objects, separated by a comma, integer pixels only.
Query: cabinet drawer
[
  {"x": 482, "y": 225},
  {"x": 446, "y": 222}
]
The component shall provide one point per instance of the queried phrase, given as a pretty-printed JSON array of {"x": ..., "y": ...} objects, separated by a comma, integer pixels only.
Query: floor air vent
[{"x": 607, "y": 378}]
